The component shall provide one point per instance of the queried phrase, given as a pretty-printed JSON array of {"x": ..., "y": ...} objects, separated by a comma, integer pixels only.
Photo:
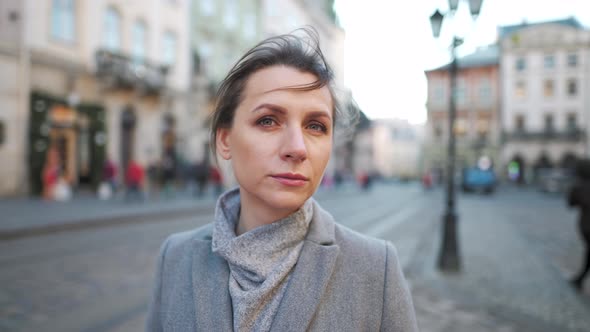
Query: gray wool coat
[{"x": 343, "y": 281}]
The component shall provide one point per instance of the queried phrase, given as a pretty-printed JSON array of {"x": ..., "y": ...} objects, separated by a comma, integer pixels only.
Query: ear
[{"x": 222, "y": 140}]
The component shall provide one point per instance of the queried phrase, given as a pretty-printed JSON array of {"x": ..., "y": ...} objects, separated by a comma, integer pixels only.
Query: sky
[{"x": 389, "y": 44}]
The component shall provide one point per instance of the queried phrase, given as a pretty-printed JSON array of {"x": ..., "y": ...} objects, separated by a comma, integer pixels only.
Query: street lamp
[{"x": 449, "y": 259}]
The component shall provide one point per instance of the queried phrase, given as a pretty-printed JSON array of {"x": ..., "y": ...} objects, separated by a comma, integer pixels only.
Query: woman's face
[{"x": 280, "y": 141}]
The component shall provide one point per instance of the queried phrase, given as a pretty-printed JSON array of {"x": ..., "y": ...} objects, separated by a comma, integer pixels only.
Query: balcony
[
  {"x": 572, "y": 135},
  {"x": 118, "y": 71}
]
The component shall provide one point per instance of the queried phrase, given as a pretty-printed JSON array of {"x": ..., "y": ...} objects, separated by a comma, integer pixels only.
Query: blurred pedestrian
[
  {"x": 579, "y": 197},
  {"x": 153, "y": 182},
  {"x": 109, "y": 174},
  {"x": 365, "y": 180},
  {"x": 216, "y": 180},
  {"x": 427, "y": 181},
  {"x": 51, "y": 172},
  {"x": 168, "y": 169},
  {"x": 338, "y": 179},
  {"x": 201, "y": 177},
  {"x": 273, "y": 259},
  {"x": 134, "y": 181}
]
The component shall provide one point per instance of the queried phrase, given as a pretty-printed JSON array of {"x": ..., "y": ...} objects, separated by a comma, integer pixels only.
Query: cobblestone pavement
[{"x": 518, "y": 249}]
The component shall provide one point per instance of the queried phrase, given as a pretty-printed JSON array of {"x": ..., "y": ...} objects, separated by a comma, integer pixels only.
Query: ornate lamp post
[{"x": 449, "y": 259}]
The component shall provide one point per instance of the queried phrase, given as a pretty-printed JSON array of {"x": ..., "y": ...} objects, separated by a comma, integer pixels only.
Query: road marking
[{"x": 389, "y": 223}]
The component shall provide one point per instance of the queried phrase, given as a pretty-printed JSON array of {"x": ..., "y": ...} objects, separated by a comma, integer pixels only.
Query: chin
[{"x": 287, "y": 200}]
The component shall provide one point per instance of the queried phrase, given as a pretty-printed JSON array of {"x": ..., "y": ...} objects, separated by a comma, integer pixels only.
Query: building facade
[
  {"x": 545, "y": 69},
  {"x": 221, "y": 32},
  {"x": 95, "y": 80},
  {"x": 397, "y": 146},
  {"x": 477, "y": 102}
]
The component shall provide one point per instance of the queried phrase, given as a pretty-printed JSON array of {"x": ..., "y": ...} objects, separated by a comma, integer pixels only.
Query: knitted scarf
[{"x": 260, "y": 260}]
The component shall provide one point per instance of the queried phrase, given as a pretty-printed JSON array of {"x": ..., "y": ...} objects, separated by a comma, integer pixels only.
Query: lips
[{"x": 291, "y": 179}]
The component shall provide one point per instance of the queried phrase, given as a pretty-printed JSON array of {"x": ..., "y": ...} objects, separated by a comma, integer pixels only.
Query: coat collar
[
  {"x": 306, "y": 286},
  {"x": 311, "y": 275},
  {"x": 210, "y": 279}
]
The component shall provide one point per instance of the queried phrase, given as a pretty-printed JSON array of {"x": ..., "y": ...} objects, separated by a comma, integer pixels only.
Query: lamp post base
[{"x": 448, "y": 259}]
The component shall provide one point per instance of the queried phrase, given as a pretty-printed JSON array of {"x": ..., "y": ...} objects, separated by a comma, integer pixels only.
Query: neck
[{"x": 255, "y": 214}]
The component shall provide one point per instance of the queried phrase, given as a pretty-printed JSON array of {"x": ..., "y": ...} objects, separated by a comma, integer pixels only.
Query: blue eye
[
  {"x": 317, "y": 127},
  {"x": 266, "y": 122}
]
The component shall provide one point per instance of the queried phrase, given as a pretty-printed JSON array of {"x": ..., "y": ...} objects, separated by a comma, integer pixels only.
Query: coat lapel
[
  {"x": 210, "y": 274},
  {"x": 310, "y": 277}
]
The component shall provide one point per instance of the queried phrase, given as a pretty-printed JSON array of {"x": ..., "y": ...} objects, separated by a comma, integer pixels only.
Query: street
[{"x": 518, "y": 247}]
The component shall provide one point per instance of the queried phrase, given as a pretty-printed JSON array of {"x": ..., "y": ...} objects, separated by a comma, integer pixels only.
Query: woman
[
  {"x": 50, "y": 173},
  {"x": 579, "y": 196},
  {"x": 274, "y": 260}
]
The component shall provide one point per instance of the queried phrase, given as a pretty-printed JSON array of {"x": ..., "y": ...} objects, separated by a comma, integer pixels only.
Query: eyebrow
[
  {"x": 272, "y": 107},
  {"x": 281, "y": 110}
]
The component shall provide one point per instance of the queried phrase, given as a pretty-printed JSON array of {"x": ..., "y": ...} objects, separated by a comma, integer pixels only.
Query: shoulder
[
  {"x": 181, "y": 244},
  {"x": 349, "y": 239},
  {"x": 352, "y": 244}
]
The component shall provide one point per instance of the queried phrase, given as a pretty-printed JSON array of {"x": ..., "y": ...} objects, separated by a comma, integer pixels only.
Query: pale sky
[{"x": 389, "y": 44}]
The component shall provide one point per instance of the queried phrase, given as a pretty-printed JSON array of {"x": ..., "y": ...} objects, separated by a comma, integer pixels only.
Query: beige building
[
  {"x": 477, "y": 104},
  {"x": 221, "y": 31},
  {"x": 93, "y": 79},
  {"x": 397, "y": 148},
  {"x": 545, "y": 70}
]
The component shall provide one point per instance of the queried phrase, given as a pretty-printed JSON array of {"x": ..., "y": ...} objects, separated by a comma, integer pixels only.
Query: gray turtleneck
[{"x": 260, "y": 261}]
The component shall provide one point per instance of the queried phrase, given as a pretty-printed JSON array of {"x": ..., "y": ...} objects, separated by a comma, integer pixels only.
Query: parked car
[
  {"x": 478, "y": 179},
  {"x": 555, "y": 180}
]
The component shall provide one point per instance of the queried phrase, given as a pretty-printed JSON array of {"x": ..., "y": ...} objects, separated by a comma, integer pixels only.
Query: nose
[{"x": 293, "y": 147}]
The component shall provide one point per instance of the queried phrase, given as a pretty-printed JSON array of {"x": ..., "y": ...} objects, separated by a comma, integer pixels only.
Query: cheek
[
  {"x": 322, "y": 155},
  {"x": 251, "y": 152}
]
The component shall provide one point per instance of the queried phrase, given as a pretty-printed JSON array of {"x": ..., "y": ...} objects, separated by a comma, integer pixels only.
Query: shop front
[{"x": 77, "y": 133}]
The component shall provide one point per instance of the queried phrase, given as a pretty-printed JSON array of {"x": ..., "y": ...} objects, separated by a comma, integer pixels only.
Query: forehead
[{"x": 274, "y": 79}]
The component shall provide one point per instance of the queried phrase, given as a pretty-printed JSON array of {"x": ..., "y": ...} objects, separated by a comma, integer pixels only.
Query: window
[
  {"x": 138, "y": 41},
  {"x": 112, "y": 29},
  {"x": 63, "y": 20},
  {"x": 519, "y": 123},
  {"x": 549, "y": 62},
  {"x": 460, "y": 128},
  {"x": 520, "y": 90},
  {"x": 169, "y": 48},
  {"x": 548, "y": 123},
  {"x": 548, "y": 88},
  {"x": 572, "y": 60},
  {"x": 571, "y": 122},
  {"x": 485, "y": 92},
  {"x": 207, "y": 7},
  {"x": 230, "y": 17},
  {"x": 572, "y": 87},
  {"x": 520, "y": 64}
]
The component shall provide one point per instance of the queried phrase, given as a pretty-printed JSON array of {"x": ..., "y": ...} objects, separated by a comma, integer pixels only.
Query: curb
[{"x": 82, "y": 224}]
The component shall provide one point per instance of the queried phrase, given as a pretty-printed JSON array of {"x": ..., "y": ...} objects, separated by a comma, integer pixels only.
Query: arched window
[
  {"x": 112, "y": 29},
  {"x": 63, "y": 25},
  {"x": 139, "y": 41}
]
